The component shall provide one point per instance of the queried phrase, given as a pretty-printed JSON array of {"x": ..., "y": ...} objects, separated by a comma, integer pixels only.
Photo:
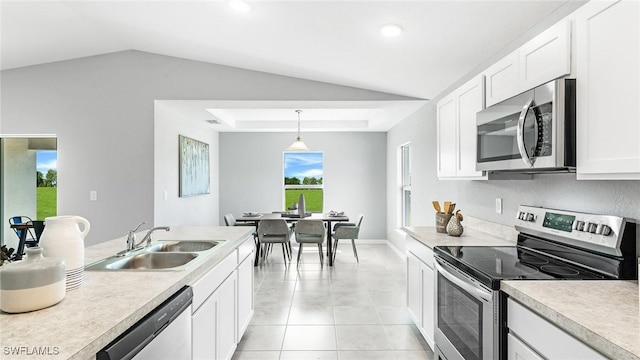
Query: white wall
[
  {"x": 251, "y": 174},
  {"x": 18, "y": 183},
  {"x": 194, "y": 210},
  {"x": 102, "y": 110}
]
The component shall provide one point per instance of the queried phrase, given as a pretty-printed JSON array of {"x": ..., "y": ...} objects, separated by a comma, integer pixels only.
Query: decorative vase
[
  {"x": 63, "y": 238},
  {"x": 454, "y": 227},
  {"x": 34, "y": 283}
]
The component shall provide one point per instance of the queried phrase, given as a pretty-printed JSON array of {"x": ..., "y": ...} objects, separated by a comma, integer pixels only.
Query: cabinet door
[
  {"x": 428, "y": 303},
  {"x": 414, "y": 288},
  {"x": 226, "y": 337},
  {"x": 545, "y": 57},
  {"x": 516, "y": 350},
  {"x": 447, "y": 137},
  {"x": 469, "y": 101},
  {"x": 205, "y": 329},
  {"x": 608, "y": 54},
  {"x": 502, "y": 79},
  {"x": 245, "y": 295}
]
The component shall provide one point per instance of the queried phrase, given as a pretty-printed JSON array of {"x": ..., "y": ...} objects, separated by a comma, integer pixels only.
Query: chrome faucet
[
  {"x": 147, "y": 237},
  {"x": 131, "y": 237}
]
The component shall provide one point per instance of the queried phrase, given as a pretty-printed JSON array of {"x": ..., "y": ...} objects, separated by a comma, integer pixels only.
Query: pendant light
[{"x": 298, "y": 145}]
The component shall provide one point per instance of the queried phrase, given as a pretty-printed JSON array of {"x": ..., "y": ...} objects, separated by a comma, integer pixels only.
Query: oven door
[{"x": 465, "y": 322}]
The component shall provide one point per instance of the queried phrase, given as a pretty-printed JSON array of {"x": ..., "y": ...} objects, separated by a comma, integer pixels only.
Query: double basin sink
[{"x": 164, "y": 255}]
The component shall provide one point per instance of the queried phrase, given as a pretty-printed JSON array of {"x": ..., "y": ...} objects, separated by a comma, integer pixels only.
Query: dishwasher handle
[{"x": 132, "y": 341}]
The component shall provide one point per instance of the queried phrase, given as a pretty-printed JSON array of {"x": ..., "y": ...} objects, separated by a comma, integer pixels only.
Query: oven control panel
[{"x": 598, "y": 232}]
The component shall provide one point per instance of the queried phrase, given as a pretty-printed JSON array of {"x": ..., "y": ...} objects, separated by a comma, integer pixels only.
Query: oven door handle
[{"x": 465, "y": 284}]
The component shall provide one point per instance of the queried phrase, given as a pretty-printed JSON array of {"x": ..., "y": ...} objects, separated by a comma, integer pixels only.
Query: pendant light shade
[{"x": 298, "y": 145}]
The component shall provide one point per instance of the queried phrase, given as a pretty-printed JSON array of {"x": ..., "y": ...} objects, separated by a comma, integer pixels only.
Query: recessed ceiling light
[
  {"x": 391, "y": 30},
  {"x": 239, "y": 5}
]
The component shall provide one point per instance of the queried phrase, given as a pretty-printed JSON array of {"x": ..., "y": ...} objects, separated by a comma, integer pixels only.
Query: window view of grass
[
  {"x": 47, "y": 184},
  {"x": 312, "y": 198},
  {"x": 303, "y": 174},
  {"x": 46, "y": 198}
]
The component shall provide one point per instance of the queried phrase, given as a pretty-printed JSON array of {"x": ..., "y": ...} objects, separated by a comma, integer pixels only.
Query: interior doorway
[{"x": 28, "y": 181}]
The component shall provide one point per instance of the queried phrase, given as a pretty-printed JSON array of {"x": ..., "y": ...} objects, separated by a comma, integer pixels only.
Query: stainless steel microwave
[{"x": 531, "y": 132}]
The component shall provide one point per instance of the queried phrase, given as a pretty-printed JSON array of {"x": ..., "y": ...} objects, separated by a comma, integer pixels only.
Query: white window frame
[{"x": 405, "y": 184}]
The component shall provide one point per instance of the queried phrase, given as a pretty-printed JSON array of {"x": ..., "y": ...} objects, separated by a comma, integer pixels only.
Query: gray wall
[
  {"x": 477, "y": 198},
  {"x": 251, "y": 174},
  {"x": 102, "y": 110}
]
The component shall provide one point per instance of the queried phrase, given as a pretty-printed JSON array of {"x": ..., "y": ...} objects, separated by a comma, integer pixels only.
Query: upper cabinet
[
  {"x": 456, "y": 128},
  {"x": 608, "y": 89},
  {"x": 542, "y": 59}
]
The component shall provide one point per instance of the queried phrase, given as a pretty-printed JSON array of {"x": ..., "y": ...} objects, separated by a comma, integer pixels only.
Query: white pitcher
[{"x": 62, "y": 238}]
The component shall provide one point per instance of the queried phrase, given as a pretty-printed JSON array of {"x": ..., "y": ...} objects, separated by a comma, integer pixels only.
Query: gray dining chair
[
  {"x": 273, "y": 231},
  {"x": 347, "y": 231},
  {"x": 309, "y": 231}
]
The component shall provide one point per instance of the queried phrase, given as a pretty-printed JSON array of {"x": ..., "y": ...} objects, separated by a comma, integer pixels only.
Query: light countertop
[
  {"x": 108, "y": 302},
  {"x": 602, "y": 314},
  {"x": 470, "y": 237}
]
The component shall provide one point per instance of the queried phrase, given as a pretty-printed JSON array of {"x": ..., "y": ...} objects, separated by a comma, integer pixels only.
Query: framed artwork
[{"x": 194, "y": 167}]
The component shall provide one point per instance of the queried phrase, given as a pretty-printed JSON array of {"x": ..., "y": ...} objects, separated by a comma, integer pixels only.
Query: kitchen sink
[
  {"x": 161, "y": 255},
  {"x": 183, "y": 246},
  {"x": 150, "y": 261}
]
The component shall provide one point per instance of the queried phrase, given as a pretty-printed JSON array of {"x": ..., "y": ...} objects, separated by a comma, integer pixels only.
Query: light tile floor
[{"x": 349, "y": 311}]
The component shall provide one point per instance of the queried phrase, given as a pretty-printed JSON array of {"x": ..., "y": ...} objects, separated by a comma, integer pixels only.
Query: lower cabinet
[
  {"x": 421, "y": 288},
  {"x": 222, "y": 307},
  {"x": 531, "y": 337}
]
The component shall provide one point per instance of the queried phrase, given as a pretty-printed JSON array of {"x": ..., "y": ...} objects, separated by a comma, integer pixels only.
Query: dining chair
[
  {"x": 25, "y": 236},
  {"x": 309, "y": 231},
  {"x": 347, "y": 231},
  {"x": 273, "y": 231}
]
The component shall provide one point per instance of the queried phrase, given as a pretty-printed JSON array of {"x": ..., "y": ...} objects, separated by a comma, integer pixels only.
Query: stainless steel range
[{"x": 552, "y": 245}]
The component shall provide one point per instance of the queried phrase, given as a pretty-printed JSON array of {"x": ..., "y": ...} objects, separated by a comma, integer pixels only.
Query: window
[
  {"x": 405, "y": 163},
  {"x": 303, "y": 174}
]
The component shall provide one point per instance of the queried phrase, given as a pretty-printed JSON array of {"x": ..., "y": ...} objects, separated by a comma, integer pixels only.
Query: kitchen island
[{"x": 109, "y": 302}]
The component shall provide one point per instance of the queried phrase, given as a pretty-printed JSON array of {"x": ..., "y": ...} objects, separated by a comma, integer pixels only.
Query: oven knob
[
  {"x": 580, "y": 225},
  {"x": 520, "y": 215},
  {"x": 606, "y": 230},
  {"x": 531, "y": 217},
  {"x": 592, "y": 228}
]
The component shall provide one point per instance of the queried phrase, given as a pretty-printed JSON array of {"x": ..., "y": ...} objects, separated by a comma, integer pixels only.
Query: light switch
[
  {"x": 498, "y": 205},
  {"x": 165, "y": 196},
  {"x": 93, "y": 195}
]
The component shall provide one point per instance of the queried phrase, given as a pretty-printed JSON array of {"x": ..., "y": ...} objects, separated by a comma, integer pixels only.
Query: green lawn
[
  {"x": 312, "y": 198},
  {"x": 46, "y": 199}
]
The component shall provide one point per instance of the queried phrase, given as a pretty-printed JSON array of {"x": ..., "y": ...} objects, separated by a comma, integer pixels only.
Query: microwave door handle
[
  {"x": 520, "y": 134},
  {"x": 464, "y": 284}
]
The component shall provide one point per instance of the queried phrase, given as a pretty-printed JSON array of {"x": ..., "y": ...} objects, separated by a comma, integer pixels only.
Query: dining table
[{"x": 292, "y": 217}]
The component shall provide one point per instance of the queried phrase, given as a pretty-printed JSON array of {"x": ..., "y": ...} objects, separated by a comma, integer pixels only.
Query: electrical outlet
[
  {"x": 93, "y": 195},
  {"x": 498, "y": 205}
]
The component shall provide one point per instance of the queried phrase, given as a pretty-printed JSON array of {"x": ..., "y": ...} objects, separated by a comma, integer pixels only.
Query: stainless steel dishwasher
[{"x": 164, "y": 333}]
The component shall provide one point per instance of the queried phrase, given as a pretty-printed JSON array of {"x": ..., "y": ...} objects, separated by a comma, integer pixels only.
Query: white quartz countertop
[
  {"x": 470, "y": 237},
  {"x": 108, "y": 302},
  {"x": 602, "y": 314}
]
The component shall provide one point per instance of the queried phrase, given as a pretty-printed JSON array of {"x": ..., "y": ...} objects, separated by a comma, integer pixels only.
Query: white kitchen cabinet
[
  {"x": 608, "y": 89},
  {"x": 517, "y": 350},
  {"x": 502, "y": 79},
  {"x": 223, "y": 305},
  {"x": 540, "y": 60},
  {"x": 545, "y": 57},
  {"x": 421, "y": 288},
  {"x": 542, "y": 338},
  {"x": 245, "y": 292},
  {"x": 456, "y": 131}
]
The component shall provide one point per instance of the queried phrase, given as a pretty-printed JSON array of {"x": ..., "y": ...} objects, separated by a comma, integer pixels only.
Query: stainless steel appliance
[
  {"x": 531, "y": 132},
  {"x": 164, "y": 333},
  {"x": 552, "y": 244}
]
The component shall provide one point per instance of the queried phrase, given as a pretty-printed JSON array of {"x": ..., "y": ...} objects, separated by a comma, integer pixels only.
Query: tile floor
[{"x": 349, "y": 311}]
